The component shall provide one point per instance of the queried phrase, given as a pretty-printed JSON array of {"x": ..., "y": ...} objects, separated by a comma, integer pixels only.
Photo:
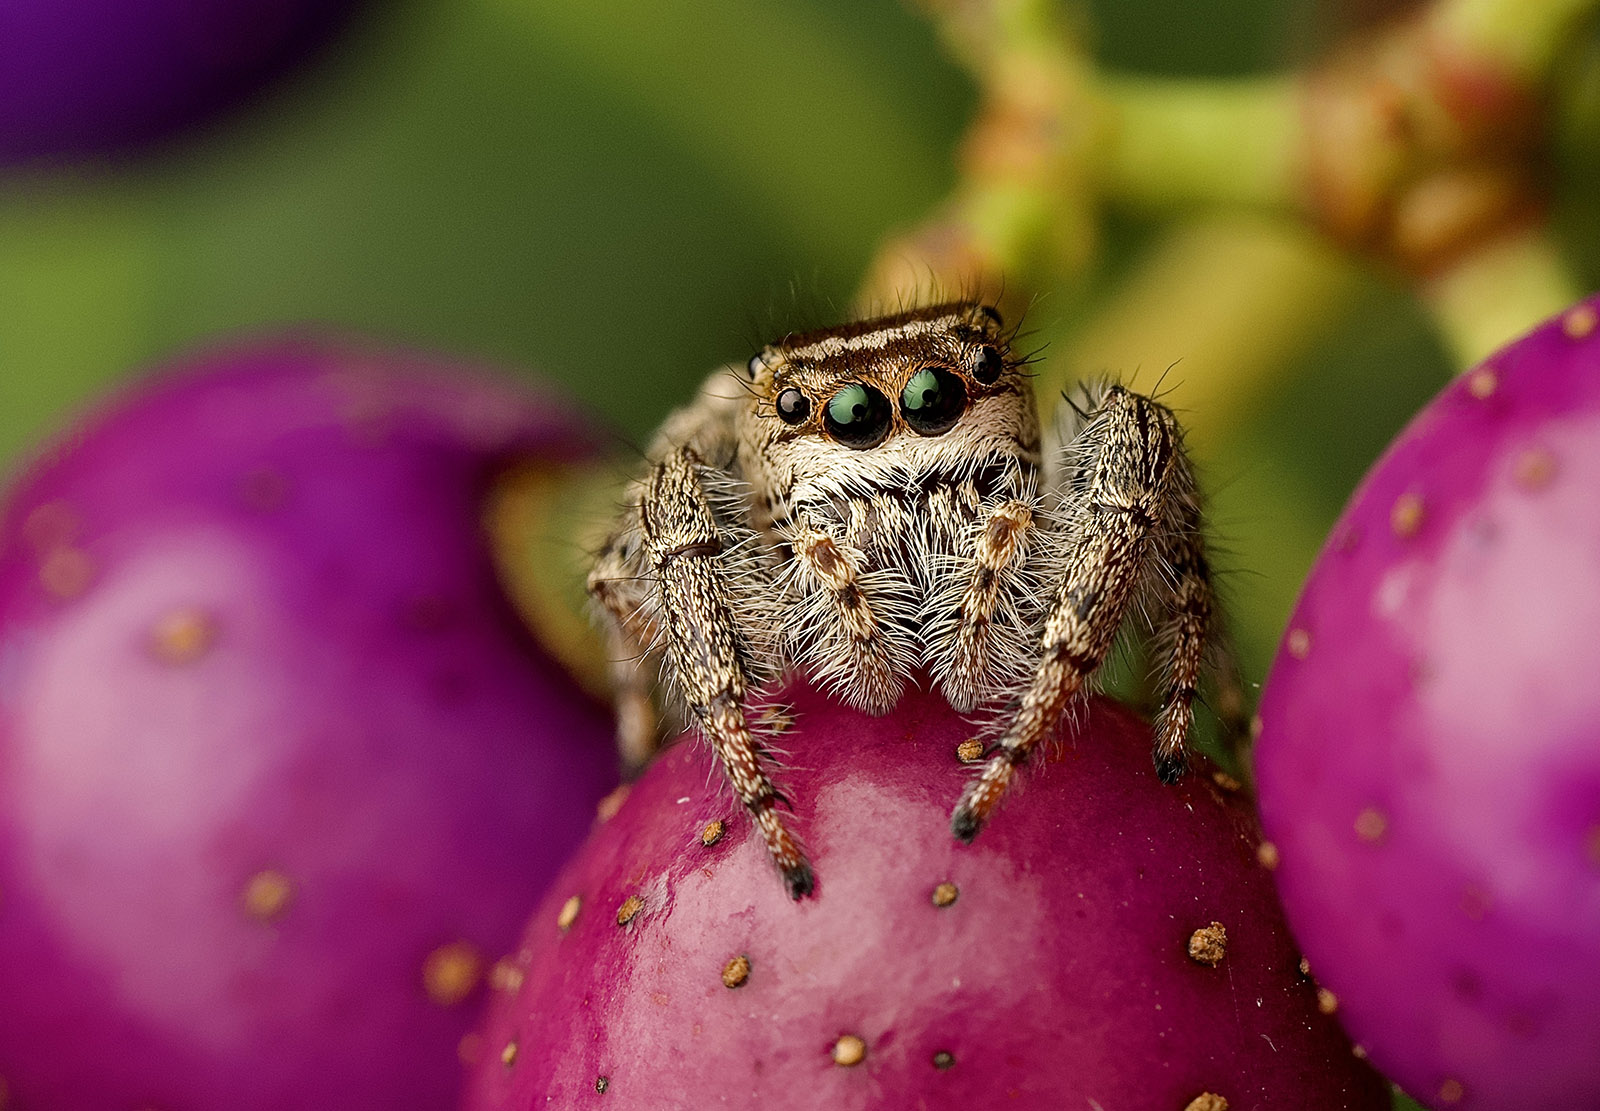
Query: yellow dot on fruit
[
  {"x": 66, "y": 572},
  {"x": 1226, "y": 782},
  {"x": 569, "y": 913},
  {"x": 736, "y": 971},
  {"x": 1359, "y": 1052},
  {"x": 1327, "y": 1002},
  {"x": 1482, "y": 383},
  {"x": 1305, "y": 966},
  {"x": 267, "y": 895},
  {"x": 508, "y": 1055},
  {"x": 1207, "y": 1101},
  {"x": 183, "y": 636},
  {"x": 712, "y": 833},
  {"x": 945, "y": 894},
  {"x": 1267, "y": 855},
  {"x": 969, "y": 751},
  {"x": 607, "y": 808},
  {"x": 849, "y": 1050},
  {"x": 1298, "y": 643},
  {"x": 1534, "y": 469},
  {"x": 631, "y": 906},
  {"x": 451, "y": 971},
  {"x": 1452, "y": 1091},
  {"x": 506, "y": 975},
  {"x": 1209, "y": 944},
  {"x": 1405, "y": 518},
  {"x": 1580, "y": 322},
  {"x": 1371, "y": 824},
  {"x": 944, "y": 1060}
]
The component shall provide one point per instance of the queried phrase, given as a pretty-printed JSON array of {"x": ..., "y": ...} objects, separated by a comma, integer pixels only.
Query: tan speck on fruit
[
  {"x": 736, "y": 971},
  {"x": 1209, "y": 944},
  {"x": 508, "y": 1055},
  {"x": 1405, "y": 517},
  {"x": 849, "y": 1050},
  {"x": 1482, "y": 383},
  {"x": 607, "y": 808},
  {"x": 601, "y": 1083},
  {"x": 506, "y": 975},
  {"x": 1359, "y": 1052},
  {"x": 1207, "y": 1101},
  {"x": 969, "y": 751},
  {"x": 1371, "y": 824},
  {"x": 1327, "y": 1002},
  {"x": 1452, "y": 1091},
  {"x": 1305, "y": 966},
  {"x": 183, "y": 636},
  {"x": 1579, "y": 323},
  {"x": 1267, "y": 855},
  {"x": 267, "y": 895},
  {"x": 1226, "y": 782},
  {"x": 451, "y": 971},
  {"x": 1298, "y": 643},
  {"x": 1534, "y": 469},
  {"x": 66, "y": 572},
  {"x": 569, "y": 913},
  {"x": 945, "y": 894},
  {"x": 943, "y": 1060},
  {"x": 631, "y": 906},
  {"x": 712, "y": 833}
]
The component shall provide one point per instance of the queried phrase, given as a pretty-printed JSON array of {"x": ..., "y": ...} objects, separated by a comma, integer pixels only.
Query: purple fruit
[
  {"x": 1047, "y": 965},
  {"x": 1429, "y": 759},
  {"x": 88, "y": 77},
  {"x": 280, "y": 772}
]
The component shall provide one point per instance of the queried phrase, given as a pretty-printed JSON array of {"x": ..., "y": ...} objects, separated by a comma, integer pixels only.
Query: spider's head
[{"x": 920, "y": 391}]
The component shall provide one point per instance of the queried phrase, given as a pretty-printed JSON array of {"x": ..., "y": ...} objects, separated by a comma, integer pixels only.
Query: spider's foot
[
  {"x": 965, "y": 825},
  {"x": 1171, "y": 766},
  {"x": 800, "y": 880}
]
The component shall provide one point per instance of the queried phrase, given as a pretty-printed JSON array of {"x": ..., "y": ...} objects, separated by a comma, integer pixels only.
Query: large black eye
[
  {"x": 793, "y": 406},
  {"x": 858, "y": 416},
  {"x": 987, "y": 366},
  {"x": 933, "y": 401}
]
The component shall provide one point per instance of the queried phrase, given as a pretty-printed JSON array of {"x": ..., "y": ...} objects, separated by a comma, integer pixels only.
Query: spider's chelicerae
[{"x": 875, "y": 503}]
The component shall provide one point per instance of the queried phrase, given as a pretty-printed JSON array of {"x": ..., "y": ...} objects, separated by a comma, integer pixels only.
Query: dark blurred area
[{"x": 619, "y": 195}]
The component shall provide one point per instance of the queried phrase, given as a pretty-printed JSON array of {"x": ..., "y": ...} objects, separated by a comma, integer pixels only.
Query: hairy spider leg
[{"x": 1117, "y": 502}]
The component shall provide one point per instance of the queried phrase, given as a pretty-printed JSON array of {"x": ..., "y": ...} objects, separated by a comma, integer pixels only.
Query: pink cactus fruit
[
  {"x": 1107, "y": 942},
  {"x": 1429, "y": 757},
  {"x": 279, "y": 770}
]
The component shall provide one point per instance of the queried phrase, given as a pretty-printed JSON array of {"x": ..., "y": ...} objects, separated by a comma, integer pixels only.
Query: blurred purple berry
[
  {"x": 1429, "y": 758},
  {"x": 280, "y": 771}
]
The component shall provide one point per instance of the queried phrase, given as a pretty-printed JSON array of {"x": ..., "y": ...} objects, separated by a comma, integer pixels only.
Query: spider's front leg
[
  {"x": 1129, "y": 497},
  {"x": 710, "y": 657}
]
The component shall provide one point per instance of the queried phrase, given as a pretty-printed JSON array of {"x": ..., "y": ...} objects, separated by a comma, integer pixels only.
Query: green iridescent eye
[
  {"x": 933, "y": 401},
  {"x": 857, "y": 416}
]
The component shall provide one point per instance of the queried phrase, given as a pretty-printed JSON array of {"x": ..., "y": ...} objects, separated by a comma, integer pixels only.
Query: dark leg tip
[
  {"x": 800, "y": 880},
  {"x": 1171, "y": 768},
  {"x": 965, "y": 825}
]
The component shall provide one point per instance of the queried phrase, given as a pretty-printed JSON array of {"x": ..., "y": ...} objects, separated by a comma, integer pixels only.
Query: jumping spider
[{"x": 875, "y": 502}]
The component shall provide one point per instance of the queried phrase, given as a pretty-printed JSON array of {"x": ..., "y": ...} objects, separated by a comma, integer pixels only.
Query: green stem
[
  {"x": 1499, "y": 292},
  {"x": 1186, "y": 142},
  {"x": 1522, "y": 37}
]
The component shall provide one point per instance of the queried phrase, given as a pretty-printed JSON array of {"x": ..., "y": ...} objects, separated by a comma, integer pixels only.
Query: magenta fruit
[
  {"x": 280, "y": 772},
  {"x": 1107, "y": 942},
  {"x": 1429, "y": 758}
]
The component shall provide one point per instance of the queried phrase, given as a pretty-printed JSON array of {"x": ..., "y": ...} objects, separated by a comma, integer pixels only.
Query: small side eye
[
  {"x": 858, "y": 416},
  {"x": 757, "y": 363},
  {"x": 987, "y": 365},
  {"x": 793, "y": 406},
  {"x": 933, "y": 401}
]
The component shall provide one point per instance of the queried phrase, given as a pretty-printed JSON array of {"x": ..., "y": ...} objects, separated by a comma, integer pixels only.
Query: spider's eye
[
  {"x": 858, "y": 416},
  {"x": 933, "y": 401},
  {"x": 987, "y": 365},
  {"x": 793, "y": 406}
]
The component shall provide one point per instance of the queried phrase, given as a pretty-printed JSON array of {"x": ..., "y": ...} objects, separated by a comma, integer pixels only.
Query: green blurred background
[{"x": 620, "y": 194}]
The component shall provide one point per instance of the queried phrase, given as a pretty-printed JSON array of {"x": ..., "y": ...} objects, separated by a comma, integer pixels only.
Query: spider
[{"x": 875, "y": 504}]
